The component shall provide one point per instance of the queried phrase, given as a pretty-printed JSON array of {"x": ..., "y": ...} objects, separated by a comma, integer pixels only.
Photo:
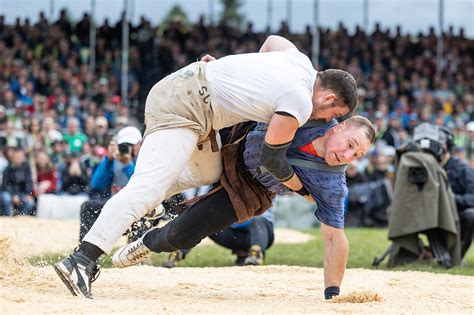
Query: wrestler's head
[
  {"x": 347, "y": 141},
  {"x": 334, "y": 94}
]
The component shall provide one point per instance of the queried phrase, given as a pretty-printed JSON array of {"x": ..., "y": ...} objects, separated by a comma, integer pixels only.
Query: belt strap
[
  {"x": 212, "y": 137},
  {"x": 318, "y": 166},
  {"x": 311, "y": 165},
  {"x": 308, "y": 124},
  {"x": 192, "y": 201}
]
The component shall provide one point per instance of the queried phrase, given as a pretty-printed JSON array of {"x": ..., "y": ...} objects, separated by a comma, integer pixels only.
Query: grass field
[{"x": 365, "y": 244}]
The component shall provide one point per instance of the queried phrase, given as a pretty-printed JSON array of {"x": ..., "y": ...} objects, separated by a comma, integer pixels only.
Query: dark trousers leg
[
  {"x": 90, "y": 211},
  {"x": 234, "y": 239},
  {"x": 466, "y": 217},
  {"x": 261, "y": 233},
  {"x": 209, "y": 216}
]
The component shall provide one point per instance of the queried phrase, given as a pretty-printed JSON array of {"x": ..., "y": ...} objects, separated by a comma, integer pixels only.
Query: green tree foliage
[
  {"x": 230, "y": 15},
  {"x": 176, "y": 13}
]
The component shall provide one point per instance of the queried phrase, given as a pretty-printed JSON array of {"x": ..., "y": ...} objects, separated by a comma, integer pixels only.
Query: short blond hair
[{"x": 362, "y": 122}]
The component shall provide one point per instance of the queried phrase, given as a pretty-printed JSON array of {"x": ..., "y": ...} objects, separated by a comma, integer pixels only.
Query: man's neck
[
  {"x": 320, "y": 144},
  {"x": 314, "y": 98}
]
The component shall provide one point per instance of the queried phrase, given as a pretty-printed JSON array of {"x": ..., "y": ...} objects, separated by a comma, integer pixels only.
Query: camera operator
[
  {"x": 111, "y": 175},
  {"x": 461, "y": 180}
]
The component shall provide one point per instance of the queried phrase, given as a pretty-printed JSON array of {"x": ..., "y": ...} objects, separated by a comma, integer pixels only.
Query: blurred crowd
[{"x": 57, "y": 116}]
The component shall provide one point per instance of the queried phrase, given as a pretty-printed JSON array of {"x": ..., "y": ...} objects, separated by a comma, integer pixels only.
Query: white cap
[
  {"x": 103, "y": 81},
  {"x": 129, "y": 135},
  {"x": 470, "y": 126},
  {"x": 389, "y": 151}
]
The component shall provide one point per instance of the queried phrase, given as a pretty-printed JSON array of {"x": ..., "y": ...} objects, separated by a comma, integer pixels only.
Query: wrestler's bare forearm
[{"x": 336, "y": 252}]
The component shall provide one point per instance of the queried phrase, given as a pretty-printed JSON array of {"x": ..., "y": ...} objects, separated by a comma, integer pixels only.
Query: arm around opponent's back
[{"x": 272, "y": 43}]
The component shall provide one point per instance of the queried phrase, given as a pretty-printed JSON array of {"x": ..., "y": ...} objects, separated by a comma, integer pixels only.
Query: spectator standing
[{"x": 461, "y": 180}]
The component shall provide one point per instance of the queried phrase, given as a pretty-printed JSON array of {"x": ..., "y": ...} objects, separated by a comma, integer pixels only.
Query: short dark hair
[
  {"x": 360, "y": 121},
  {"x": 343, "y": 84}
]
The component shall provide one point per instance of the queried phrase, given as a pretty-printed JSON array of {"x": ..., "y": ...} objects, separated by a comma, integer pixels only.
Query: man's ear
[
  {"x": 340, "y": 126},
  {"x": 329, "y": 99}
]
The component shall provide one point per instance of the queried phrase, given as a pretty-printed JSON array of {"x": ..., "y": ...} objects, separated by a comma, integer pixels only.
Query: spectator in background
[
  {"x": 469, "y": 141},
  {"x": 83, "y": 30},
  {"x": 58, "y": 154},
  {"x": 5, "y": 158},
  {"x": 34, "y": 139},
  {"x": 74, "y": 176},
  {"x": 64, "y": 24},
  {"x": 391, "y": 135},
  {"x": 74, "y": 136},
  {"x": 354, "y": 209},
  {"x": 353, "y": 175},
  {"x": 3, "y": 124},
  {"x": 461, "y": 180},
  {"x": 90, "y": 128},
  {"x": 102, "y": 90},
  {"x": 375, "y": 168},
  {"x": 67, "y": 112},
  {"x": 10, "y": 138},
  {"x": 90, "y": 158},
  {"x": 46, "y": 175},
  {"x": 380, "y": 123},
  {"x": 50, "y": 134},
  {"x": 459, "y": 153},
  {"x": 17, "y": 186},
  {"x": 101, "y": 136}
]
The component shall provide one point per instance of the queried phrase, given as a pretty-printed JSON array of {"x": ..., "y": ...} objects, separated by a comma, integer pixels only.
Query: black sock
[{"x": 90, "y": 250}]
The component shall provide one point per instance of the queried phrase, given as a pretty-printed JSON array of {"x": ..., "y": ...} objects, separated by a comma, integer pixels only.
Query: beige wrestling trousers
[{"x": 178, "y": 116}]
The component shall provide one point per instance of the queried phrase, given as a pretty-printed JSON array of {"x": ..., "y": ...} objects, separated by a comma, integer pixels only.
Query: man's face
[
  {"x": 18, "y": 158},
  {"x": 72, "y": 127},
  {"x": 101, "y": 129},
  {"x": 329, "y": 113},
  {"x": 345, "y": 145},
  {"x": 324, "y": 106}
]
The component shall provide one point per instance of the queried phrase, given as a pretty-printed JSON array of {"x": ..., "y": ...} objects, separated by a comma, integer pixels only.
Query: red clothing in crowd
[{"x": 50, "y": 175}]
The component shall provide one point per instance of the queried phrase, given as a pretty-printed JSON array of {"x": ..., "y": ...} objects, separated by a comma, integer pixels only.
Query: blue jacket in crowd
[{"x": 109, "y": 177}]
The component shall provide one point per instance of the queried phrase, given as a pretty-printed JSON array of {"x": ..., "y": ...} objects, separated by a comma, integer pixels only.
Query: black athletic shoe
[{"x": 78, "y": 272}]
